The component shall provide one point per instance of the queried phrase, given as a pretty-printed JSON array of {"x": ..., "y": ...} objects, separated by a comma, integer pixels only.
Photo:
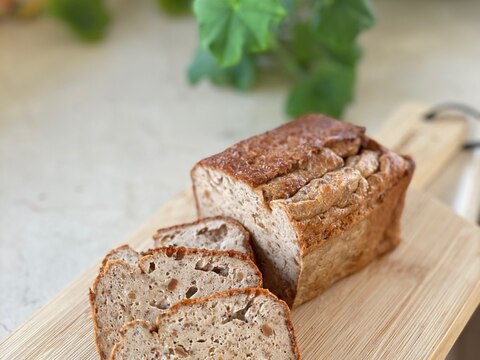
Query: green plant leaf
[
  {"x": 339, "y": 22},
  {"x": 87, "y": 18},
  {"x": 309, "y": 49},
  {"x": 315, "y": 45},
  {"x": 347, "y": 53},
  {"x": 327, "y": 90},
  {"x": 240, "y": 76},
  {"x": 175, "y": 7},
  {"x": 228, "y": 28},
  {"x": 305, "y": 45},
  {"x": 288, "y": 5}
]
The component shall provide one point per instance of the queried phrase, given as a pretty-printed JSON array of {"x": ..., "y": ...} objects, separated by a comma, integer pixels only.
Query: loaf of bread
[
  {"x": 214, "y": 233},
  {"x": 141, "y": 286},
  {"x": 236, "y": 324},
  {"x": 320, "y": 198}
]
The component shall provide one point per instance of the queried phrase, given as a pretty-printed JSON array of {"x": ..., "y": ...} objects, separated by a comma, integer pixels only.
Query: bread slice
[
  {"x": 320, "y": 198},
  {"x": 214, "y": 233},
  {"x": 235, "y": 324},
  {"x": 127, "y": 288},
  {"x": 125, "y": 253}
]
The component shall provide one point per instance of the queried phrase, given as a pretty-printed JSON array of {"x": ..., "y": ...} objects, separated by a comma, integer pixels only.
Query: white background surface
[{"x": 93, "y": 139}]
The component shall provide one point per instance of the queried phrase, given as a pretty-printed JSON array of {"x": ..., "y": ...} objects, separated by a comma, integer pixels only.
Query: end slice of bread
[
  {"x": 235, "y": 324},
  {"x": 127, "y": 288},
  {"x": 125, "y": 253},
  {"x": 212, "y": 233}
]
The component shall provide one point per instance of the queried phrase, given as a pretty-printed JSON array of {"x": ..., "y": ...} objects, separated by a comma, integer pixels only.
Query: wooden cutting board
[{"x": 411, "y": 304}]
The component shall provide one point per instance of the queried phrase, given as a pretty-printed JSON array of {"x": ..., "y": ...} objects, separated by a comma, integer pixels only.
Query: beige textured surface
[
  {"x": 86, "y": 131},
  {"x": 410, "y": 304}
]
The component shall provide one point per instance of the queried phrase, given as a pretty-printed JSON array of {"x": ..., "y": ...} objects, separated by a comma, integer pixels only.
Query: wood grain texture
[
  {"x": 410, "y": 304},
  {"x": 431, "y": 143}
]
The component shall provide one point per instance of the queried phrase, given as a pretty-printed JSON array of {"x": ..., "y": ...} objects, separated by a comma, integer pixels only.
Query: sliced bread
[
  {"x": 213, "y": 233},
  {"x": 125, "y": 253},
  {"x": 235, "y": 324},
  {"x": 127, "y": 288}
]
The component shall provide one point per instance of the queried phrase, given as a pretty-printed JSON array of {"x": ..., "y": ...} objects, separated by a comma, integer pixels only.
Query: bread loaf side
[{"x": 319, "y": 197}]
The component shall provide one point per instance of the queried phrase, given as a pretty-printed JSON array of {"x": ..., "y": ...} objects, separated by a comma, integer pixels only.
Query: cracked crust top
[
  {"x": 264, "y": 157},
  {"x": 313, "y": 165}
]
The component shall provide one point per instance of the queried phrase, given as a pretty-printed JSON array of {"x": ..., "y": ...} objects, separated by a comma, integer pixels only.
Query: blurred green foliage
[
  {"x": 240, "y": 75},
  {"x": 176, "y": 7},
  {"x": 87, "y": 18},
  {"x": 313, "y": 43}
]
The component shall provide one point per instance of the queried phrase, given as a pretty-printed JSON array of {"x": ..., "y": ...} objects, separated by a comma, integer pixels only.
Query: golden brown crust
[
  {"x": 313, "y": 234},
  {"x": 280, "y": 163},
  {"x": 226, "y": 219},
  {"x": 93, "y": 288},
  {"x": 368, "y": 236},
  {"x": 112, "y": 253},
  {"x": 91, "y": 299},
  {"x": 324, "y": 173},
  {"x": 93, "y": 291},
  {"x": 261, "y": 158},
  {"x": 188, "y": 302},
  {"x": 314, "y": 230}
]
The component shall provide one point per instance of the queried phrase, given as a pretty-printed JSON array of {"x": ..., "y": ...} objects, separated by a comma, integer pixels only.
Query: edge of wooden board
[
  {"x": 431, "y": 143},
  {"x": 44, "y": 336},
  {"x": 458, "y": 325}
]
